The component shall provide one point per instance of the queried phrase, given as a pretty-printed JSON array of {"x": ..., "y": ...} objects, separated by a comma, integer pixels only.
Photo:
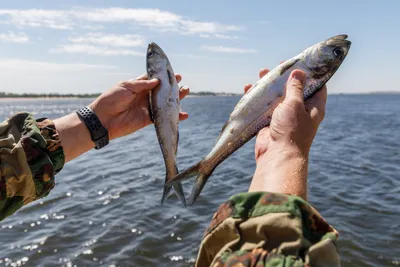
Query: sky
[{"x": 88, "y": 46}]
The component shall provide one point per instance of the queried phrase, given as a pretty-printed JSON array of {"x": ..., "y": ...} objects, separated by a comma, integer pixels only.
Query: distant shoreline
[{"x": 11, "y": 96}]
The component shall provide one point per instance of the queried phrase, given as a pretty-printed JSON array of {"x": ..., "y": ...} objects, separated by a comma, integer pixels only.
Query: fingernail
[
  {"x": 154, "y": 80},
  {"x": 298, "y": 76},
  {"x": 185, "y": 87}
]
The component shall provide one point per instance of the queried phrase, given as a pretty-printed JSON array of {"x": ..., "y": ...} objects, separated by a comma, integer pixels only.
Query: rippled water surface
[{"x": 105, "y": 209}]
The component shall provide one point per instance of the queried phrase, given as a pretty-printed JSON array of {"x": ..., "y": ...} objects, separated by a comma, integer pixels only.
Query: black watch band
[{"x": 98, "y": 133}]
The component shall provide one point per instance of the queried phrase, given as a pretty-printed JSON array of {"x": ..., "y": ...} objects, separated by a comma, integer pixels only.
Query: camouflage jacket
[
  {"x": 250, "y": 229},
  {"x": 30, "y": 156}
]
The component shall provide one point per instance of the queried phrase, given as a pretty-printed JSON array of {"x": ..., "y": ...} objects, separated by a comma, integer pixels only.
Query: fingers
[
  {"x": 178, "y": 77},
  {"x": 316, "y": 104},
  {"x": 138, "y": 86},
  {"x": 142, "y": 77},
  {"x": 247, "y": 87},
  {"x": 263, "y": 72},
  {"x": 183, "y": 116},
  {"x": 295, "y": 86},
  {"x": 183, "y": 92}
]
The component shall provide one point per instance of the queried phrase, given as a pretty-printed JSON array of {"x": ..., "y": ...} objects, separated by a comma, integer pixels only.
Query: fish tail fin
[
  {"x": 201, "y": 179},
  {"x": 177, "y": 188},
  {"x": 198, "y": 186}
]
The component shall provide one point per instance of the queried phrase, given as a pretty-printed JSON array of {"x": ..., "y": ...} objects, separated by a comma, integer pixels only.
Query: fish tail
[
  {"x": 177, "y": 188},
  {"x": 198, "y": 186},
  {"x": 178, "y": 191},
  {"x": 201, "y": 179}
]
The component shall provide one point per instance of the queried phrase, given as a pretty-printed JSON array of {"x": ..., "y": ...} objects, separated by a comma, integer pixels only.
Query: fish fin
[
  {"x": 201, "y": 179},
  {"x": 171, "y": 77},
  {"x": 177, "y": 188},
  {"x": 288, "y": 64},
  {"x": 176, "y": 149},
  {"x": 222, "y": 130},
  {"x": 198, "y": 186},
  {"x": 151, "y": 113},
  {"x": 178, "y": 191}
]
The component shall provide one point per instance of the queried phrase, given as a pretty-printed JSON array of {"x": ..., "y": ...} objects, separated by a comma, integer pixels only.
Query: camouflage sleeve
[
  {"x": 268, "y": 229},
  {"x": 30, "y": 156}
]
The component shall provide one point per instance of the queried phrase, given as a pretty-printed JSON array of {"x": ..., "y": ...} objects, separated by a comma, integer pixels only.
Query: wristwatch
[{"x": 98, "y": 133}]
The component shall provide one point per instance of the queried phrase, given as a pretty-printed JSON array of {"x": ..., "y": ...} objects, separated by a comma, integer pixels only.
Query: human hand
[
  {"x": 124, "y": 108},
  {"x": 294, "y": 122},
  {"x": 282, "y": 149}
]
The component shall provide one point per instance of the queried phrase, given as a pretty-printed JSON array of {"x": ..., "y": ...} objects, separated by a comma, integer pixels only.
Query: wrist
[
  {"x": 74, "y": 136},
  {"x": 282, "y": 169},
  {"x": 104, "y": 119},
  {"x": 285, "y": 148}
]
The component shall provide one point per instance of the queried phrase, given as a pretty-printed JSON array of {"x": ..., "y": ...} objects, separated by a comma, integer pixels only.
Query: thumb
[
  {"x": 138, "y": 86},
  {"x": 295, "y": 86}
]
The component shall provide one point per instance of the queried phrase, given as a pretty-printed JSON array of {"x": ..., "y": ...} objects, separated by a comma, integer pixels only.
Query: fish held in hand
[
  {"x": 254, "y": 111},
  {"x": 164, "y": 112}
]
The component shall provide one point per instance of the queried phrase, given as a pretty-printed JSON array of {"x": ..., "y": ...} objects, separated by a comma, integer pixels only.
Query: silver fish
[
  {"x": 164, "y": 112},
  {"x": 253, "y": 112}
]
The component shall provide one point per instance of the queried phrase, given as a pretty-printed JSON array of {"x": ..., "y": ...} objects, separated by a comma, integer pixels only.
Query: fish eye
[
  {"x": 150, "y": 54},
  {"x": 338, "y": 52}
]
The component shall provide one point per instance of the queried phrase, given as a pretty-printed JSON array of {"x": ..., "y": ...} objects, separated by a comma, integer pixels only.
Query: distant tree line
[{"x": 56, "y": 95}]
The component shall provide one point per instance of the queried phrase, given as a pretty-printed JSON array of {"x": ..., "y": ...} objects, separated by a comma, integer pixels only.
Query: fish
[
  {"x": 164, "y": 112},
  {"x": 254, "y": 110}
]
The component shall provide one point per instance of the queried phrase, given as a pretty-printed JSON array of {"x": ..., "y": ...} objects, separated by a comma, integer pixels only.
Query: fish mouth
[
  {"x": 153, "y": 47},
  {"x": 340, "y": 40}
]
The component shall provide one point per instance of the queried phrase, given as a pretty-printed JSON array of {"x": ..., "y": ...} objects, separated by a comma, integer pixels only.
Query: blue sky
[{"x": 88, "y": 46}]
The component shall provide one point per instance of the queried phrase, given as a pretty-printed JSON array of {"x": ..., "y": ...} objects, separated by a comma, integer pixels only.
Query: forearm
[
  {"x": 281, "y": 170},
  {"x": 74, "y": 136}
]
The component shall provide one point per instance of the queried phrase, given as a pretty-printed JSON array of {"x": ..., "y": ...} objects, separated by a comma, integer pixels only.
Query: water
[{"x": 104, "y": 210}]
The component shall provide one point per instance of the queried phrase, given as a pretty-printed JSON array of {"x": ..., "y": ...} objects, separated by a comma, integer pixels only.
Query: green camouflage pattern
[
  {"x": 268, "y": 229},
  {"x": 30, "y": 156}
]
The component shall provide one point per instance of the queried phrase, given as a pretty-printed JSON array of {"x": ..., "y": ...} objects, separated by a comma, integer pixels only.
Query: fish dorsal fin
[
  {"x": 177, "y": 142},
  {"x": 288, "y": 64},
  {"x": 151, "y": 113},
  {"x": 170, "y": 77},
  {"x": 222, "y": 130}
]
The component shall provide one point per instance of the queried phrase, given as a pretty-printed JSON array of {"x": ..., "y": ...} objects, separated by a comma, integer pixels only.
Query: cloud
[
  {"x": 126, "y": 40},
  {"x": 14, "y": 37},
  {"x": 54, "y": 19},
  {"x": 193, "y": 56},
  {"x": 94, "y": 50},
  {"x": 225, "y": 49},
  {"x": 85, "y": 17},
  {"x": 219, "y": 36},
  {"x": 23, "y": 65}
]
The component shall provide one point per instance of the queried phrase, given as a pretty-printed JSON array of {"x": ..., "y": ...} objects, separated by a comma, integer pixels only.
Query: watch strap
[{"x": 98, "y": 133}]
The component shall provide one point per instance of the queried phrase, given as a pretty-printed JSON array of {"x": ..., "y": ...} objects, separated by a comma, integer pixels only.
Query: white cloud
[
  {"x": 191, "y": 56},
  {"x": 83, "y": 18},
  {"x": 14, "y": 37},
  {"x": 28, "y": 65},
  {"x": 219, "y": 36},
  {"x": 125, "y": 40},
  {"x": 55, "y": 19},
  {"x": 94, "y": 50},
  {"x": 225, "y": 49}
]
